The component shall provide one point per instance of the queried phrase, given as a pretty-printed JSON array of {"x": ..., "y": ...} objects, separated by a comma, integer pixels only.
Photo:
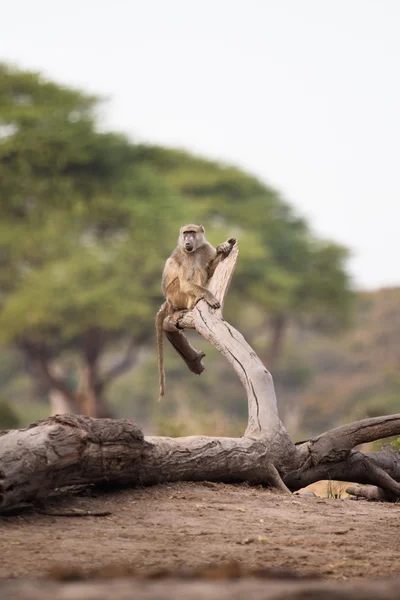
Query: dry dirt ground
[{"x": 190, "y": 525}]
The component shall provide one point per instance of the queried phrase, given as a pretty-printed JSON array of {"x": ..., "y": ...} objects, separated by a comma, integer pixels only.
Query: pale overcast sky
[{"x": 303, "y": 93}]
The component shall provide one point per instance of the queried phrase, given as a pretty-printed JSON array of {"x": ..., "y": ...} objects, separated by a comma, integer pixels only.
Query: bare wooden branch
[
  {"x": 337, "y": 443},
  {"x": 371, "y": 492},
  {"x": 220, "y": 281},
  {"x": 373, "y": 468},
  {"x": 256, "y": 379},
  {"x": 70, "y": 449},
  {"x": 65, "y": 450}
]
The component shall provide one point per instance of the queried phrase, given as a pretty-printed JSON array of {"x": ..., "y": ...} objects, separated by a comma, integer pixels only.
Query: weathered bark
[
  {"x": 371, "y": 492},
  {"x": 71, "y": 449},
  {"x": 65, "y": 450},
  {"x": 331, "y": 456}
]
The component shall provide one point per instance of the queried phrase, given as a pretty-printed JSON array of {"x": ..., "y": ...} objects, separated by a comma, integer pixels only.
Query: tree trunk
[
  {"x": 90, "y": 386},
  {"x": 50, "y": 376},
  {"x": 60, "y": 403},
  {"x": 67, "y": 449},
  {"x": 89, "y": 395},
  {"x": 278, "y": 325}
]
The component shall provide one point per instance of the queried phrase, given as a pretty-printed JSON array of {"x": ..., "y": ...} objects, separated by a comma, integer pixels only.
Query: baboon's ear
[{"x": 202, "y": 228}]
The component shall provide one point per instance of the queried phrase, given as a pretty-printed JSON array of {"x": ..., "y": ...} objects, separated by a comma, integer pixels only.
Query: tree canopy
[{"x": 89, "y": 217}]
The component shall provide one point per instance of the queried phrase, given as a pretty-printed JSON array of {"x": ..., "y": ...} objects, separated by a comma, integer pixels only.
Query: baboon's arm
[
  {"x": 222, "y": 252},
  {"x": 198, "y": 292}
]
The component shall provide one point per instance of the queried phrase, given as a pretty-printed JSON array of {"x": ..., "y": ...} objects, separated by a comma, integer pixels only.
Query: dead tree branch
[{"x": 65, "y": 450}]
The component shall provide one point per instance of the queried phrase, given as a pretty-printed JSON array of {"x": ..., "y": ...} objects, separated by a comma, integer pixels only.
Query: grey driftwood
[{"x": 71, "y": 449}]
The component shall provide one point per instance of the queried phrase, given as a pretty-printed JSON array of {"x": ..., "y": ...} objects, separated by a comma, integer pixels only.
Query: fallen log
[{"x": 66, "y": 449}]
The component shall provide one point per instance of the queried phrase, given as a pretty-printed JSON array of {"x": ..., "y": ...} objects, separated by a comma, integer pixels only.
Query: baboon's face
[{"x": 191, "y": 237}]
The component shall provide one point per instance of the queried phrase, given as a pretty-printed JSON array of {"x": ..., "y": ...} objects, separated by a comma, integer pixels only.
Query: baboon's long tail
[{"x": 162, "y": 313}]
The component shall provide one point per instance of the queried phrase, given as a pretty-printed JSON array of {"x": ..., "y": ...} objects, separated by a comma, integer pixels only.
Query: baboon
[{"x": 185, "y": 277}]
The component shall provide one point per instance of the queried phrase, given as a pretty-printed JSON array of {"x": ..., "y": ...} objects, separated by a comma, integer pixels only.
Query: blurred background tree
[
  {"x": 82, "y": 236},
  {"x": 88, "y": 219}
]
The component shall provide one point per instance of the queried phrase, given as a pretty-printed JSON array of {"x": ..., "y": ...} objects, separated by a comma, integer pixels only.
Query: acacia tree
[
  {"x": 286, "y": 272},
  {"x": 87, "y": 221},
  {"x": 78, "y": 269},
  {"x": 71, "y": 449}
]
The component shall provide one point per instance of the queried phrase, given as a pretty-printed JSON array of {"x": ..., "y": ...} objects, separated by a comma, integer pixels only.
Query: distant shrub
[
  {"x": 8, "y": 417},
  {"x": 396, "y": 444},
  {"x": 171, "y": 428}
]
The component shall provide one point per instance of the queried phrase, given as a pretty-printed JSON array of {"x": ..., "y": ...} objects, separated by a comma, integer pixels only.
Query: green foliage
[
  {"x": 85, "y": 230},
  {"x": 283, "y": 268},
  {"x": 89, "y": 217},
  {"x": 355, "y": 375},
  {"x": 293, "y": 372},
  {"x": 385, "y": 402},
  {"x": 8, "y": 417},
  {"x": 396, "y": 444}
]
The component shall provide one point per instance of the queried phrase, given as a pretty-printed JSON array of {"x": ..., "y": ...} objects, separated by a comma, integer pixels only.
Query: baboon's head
[{"x": 191, "y": 237}]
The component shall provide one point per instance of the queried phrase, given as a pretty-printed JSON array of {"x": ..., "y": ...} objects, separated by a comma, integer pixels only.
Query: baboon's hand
[
  {"x": 226, "y": 247},
  {"x": 213, "y": 302}
]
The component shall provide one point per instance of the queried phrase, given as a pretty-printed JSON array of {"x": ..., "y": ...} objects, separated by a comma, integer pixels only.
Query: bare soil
[{"x": 191, "y": 525}]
